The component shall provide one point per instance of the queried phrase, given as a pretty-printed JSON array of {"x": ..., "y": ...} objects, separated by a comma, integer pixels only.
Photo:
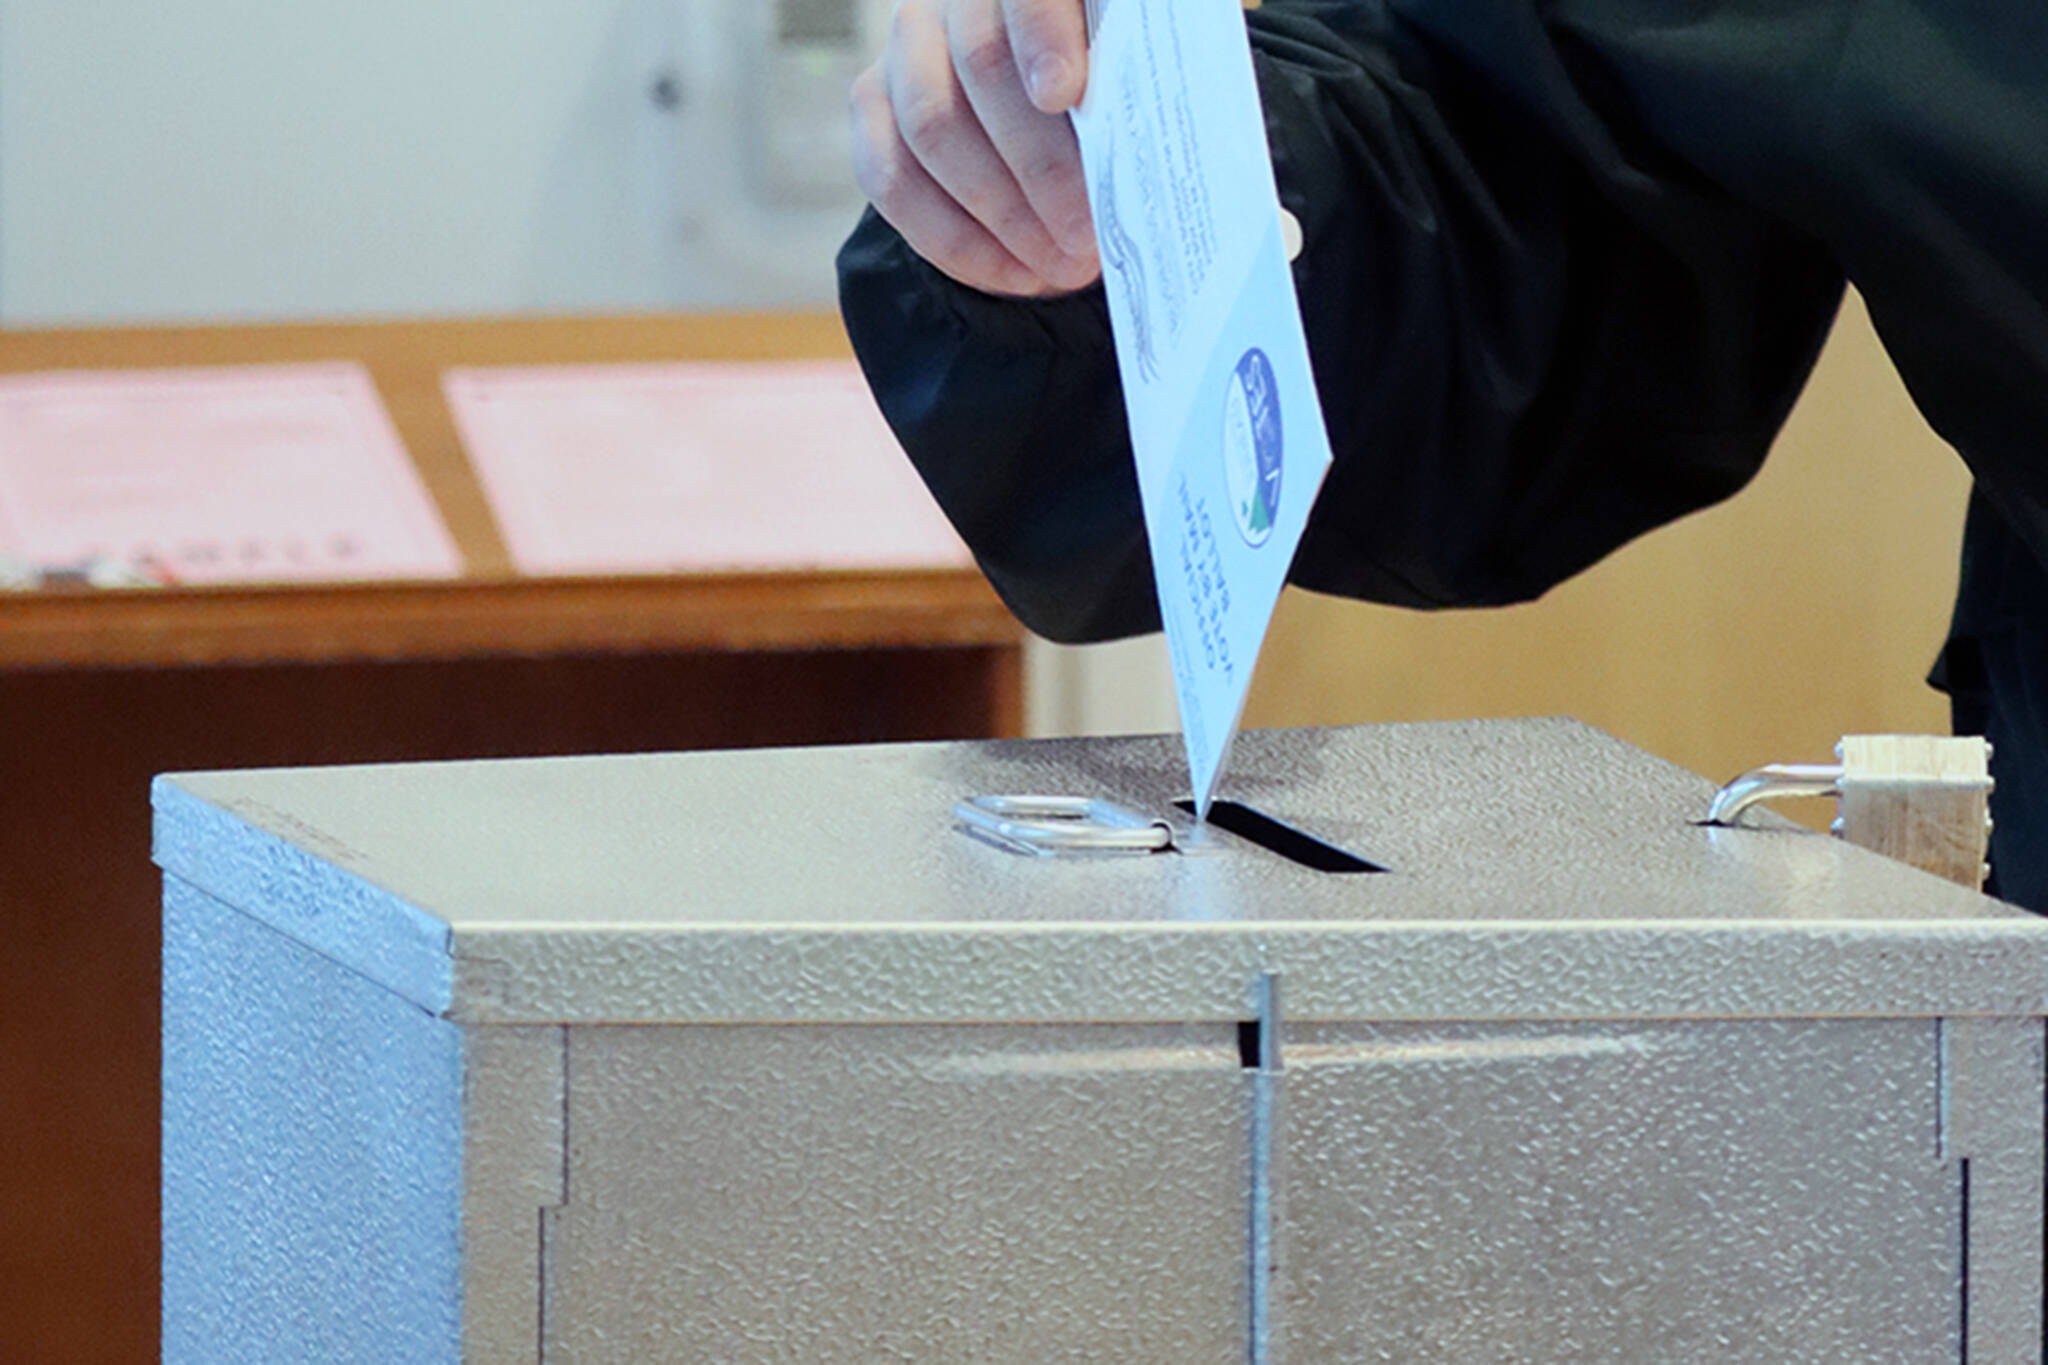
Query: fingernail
[{"x": 1047, "y": 70}]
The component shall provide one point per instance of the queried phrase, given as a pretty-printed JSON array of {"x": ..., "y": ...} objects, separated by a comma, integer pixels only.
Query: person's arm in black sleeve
[
  {"x": 1013, "y": 413},
  {"x": 1535, "y": 334}
]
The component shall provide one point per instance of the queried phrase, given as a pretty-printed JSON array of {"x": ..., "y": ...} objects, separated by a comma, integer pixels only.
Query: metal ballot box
[{"x": 761, "y": 1057}]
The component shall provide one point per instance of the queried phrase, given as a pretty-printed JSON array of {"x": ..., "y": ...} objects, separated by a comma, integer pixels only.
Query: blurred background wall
[{"x": 232, "y": 160}]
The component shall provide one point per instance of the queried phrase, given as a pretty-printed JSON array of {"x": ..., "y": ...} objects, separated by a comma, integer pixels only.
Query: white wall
[{"x": 190, "y": 159}]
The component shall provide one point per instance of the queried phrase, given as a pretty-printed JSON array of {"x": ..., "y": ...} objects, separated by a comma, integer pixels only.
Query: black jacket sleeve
[{"x": 1536, "y": 333}]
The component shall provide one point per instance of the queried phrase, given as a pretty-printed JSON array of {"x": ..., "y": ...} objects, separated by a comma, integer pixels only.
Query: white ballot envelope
[{"x": 1225, "y": 425}]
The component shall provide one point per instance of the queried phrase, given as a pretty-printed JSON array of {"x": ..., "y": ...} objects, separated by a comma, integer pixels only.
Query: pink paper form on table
[
  {"x": 285, "y": 473},
  {"x": 695, "y": 467}
]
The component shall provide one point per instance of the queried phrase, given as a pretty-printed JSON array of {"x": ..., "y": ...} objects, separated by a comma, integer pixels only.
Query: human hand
[{"x": 962, "y": 143}]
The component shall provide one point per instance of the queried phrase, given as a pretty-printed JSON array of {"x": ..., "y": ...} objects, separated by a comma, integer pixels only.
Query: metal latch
[
  {"x": 1920, "y": 799},
  {"x": 1047, "y": 826}
]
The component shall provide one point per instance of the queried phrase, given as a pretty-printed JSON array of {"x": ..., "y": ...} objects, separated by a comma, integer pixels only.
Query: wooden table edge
[{"x": 476, "y": 618}]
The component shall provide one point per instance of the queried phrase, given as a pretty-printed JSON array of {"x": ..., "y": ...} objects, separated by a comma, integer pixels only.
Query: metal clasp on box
[
  {"x": 1920, "y": 799},
  {"x": 1050, "y": 826}
]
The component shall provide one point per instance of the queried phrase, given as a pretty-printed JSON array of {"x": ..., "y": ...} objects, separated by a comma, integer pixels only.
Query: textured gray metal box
[{"x": 740, "y": 1057}]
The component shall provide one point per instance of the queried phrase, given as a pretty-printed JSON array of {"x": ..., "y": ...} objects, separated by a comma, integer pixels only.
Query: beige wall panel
[{"x": 1762, "y": 630}]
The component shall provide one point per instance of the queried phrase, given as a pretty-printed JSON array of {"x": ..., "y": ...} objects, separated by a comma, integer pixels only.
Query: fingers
[
  {"x": 1051, "y": 42},
  {"x": 931, "y": 221},
  {"x": 962, "y": 158},
  {"x": 1039, "y": 149},
  {"x": 938, "y": 121}
]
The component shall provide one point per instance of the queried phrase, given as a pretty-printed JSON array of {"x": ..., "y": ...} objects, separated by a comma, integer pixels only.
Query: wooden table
[{"x": 100, "y": 691}]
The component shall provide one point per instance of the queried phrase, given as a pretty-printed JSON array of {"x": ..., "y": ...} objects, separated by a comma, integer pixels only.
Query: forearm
[
  {"x": 1013, "y": 414},
  {"x": 1530, "y": 343},
  {"x": 1537, "y": 333}
]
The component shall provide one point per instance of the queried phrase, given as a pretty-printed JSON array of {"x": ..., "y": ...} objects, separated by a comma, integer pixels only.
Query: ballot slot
[{"x": 1277, "y": 836}]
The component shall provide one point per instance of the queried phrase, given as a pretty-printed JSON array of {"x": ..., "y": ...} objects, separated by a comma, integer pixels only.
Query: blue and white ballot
[{"x": 1225, "y": 426}]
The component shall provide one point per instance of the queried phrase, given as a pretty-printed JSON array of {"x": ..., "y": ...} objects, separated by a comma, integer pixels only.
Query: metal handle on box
[
  {"x": 1064, "y": 824},
  {"x": 1770, "y": 782}
]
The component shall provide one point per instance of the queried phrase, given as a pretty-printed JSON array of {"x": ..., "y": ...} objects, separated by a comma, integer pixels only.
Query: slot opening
[{"x": 1275, "y": 836}]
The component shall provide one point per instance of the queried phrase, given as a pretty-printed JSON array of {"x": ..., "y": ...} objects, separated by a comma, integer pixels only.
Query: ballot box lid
[{"x": 1535, "y": 869}]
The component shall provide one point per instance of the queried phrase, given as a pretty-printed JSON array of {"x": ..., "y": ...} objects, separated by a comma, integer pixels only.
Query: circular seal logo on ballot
[{"x": 1252, "y": 446}]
